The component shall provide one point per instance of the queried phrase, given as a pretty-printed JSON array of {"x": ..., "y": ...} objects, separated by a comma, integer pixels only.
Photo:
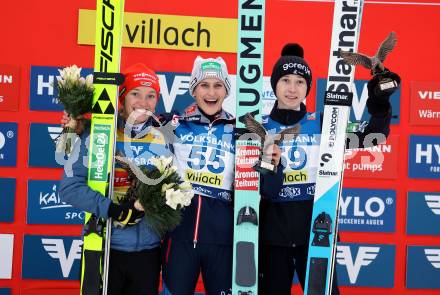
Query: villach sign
[{"x": 161, "y": 31}]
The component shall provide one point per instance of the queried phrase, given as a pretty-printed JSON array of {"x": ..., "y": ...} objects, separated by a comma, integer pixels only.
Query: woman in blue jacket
[{"x": 135, "y": 256}]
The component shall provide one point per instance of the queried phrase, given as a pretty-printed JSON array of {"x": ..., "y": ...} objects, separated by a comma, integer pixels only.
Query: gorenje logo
[
  {"x": 364, "y": 257},
  {"x": 369, "y": 265},
  {"x": 367, "y": 210},
  {"x": 423, "y": 267},
  {"x": 433, "y": 202},
  {"x": 55, "y": 248},
  {"x": 424, "y": 157},
  {"x": 433, "y": 256}
]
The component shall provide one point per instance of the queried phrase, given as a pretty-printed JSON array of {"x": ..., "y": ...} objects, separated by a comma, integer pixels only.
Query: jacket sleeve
[
  {"x": 374, "y": 133},
  {"x": 73, "y": 186},
  {"x": 271, "y": 183}
]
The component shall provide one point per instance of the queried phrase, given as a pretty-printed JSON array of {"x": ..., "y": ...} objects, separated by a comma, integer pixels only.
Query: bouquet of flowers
[
  {"x": 159, "y": 192},
  {"x": 76, "y": 95}
]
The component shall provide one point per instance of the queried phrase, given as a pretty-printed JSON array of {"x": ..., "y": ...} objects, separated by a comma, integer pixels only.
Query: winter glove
[
  {"x": 125, "y": 214},
  {"x": 380, "y": 88}
]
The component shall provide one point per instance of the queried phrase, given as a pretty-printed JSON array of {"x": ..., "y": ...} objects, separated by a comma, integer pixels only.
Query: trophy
[
  {"x": 375, "y": 63},
  {"x": 265, "y": 164}
]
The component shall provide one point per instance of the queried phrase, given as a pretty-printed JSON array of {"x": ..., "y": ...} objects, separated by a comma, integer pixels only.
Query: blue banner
[
  {"x": 43, "y": 94},
  {"x": 367, "y": 265},
  {"x": 59, "y": 255},
  {"x": 367, "y": 210},
  {"x": 423, "y": 267},
  {"x": 423, "y": 213},
  {"x": 8, "y": 144},
  {"x": 42, "y": 145},
  {"x": 358, "y": 111},
  {"x": 424, "y": 157},
  {"x": 45, "y": 206},
  {"x": 7, "y": 199}
]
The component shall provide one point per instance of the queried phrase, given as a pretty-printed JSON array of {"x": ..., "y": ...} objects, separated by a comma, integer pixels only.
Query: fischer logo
[
  {"x": 55, "y": 248},
  {"x": 107, "y": 36},
  {"x": 433, "y": 202},
  {"x": 433, "y": 256},
  {"x": 364, "y": 257}
]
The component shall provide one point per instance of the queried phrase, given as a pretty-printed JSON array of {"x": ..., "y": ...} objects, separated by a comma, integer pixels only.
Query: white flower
[
  {"x": 187, "y": 197},
  {"x": 89, "y": 80},
  {"x": 185, "y": 186},
  {"x": 161, "y": 163},
  {"x": 173, "y": 198},
  {"x": 166, "y": 186},
  {"x": 71, "y": 75}
]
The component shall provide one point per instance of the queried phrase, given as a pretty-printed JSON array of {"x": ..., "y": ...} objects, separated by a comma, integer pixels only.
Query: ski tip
[{"x": 293, "y": 49}]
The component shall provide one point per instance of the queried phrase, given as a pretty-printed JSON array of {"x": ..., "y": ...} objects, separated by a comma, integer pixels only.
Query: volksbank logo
[
  {"x": 424, "y": 157},
  {"x": 433, "y": 202},
  {"x": 423, "y": 267},
  {"x": 364, "y": 257},
  {"x": 365, "y": 265},
  {"x": 56, "y": 249},
  {"x": 42, "y": 144},
  {"x": 367, "y": 210},
  {"x": 54, "y": 133},
  {"x": 60, "y": 256},
  {"x": 423, "y": 213},
  {"x": 433, "y": 256}
]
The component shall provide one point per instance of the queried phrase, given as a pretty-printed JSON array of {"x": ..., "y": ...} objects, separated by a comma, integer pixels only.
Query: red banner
[
  {"x": 9, "y": 87},
  {"x": 425, "y": 103}
]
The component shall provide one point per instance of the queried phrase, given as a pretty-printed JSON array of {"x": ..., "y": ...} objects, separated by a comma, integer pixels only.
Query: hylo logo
[
  {"x": 55, "y": 249},
  {"x": 364, "y": 257},
  {"x": 374, "y": 206}
]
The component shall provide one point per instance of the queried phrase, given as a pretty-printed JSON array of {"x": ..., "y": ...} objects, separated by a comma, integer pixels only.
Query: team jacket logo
[
  {"x": 55, "y": 248},
  {"x": 364, "y": 257}
]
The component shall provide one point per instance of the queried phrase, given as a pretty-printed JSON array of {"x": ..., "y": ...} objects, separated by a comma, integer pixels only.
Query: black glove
[
  {"x": 378, "y": 102},
  {"x": 125, "y": 213}
]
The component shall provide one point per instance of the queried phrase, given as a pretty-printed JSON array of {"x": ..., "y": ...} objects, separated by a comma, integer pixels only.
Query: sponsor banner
[
  {"x": 7, "y": 251},
  {"x": 7, "y": 199},
  {"x": 367, "y": 265},
  {"x": 423, "y": 213},
  {"x": 8, "y": 144},
  {"x": 9, "y": 87},
  {"x": 174, "y": 91},
  {"x": 423, "y": 267},
  {"x": 42, "y": 145},
  {"x": 246, "y": 178},
  {"x": 367, "y": 210},
  {"x": 5, "y": 291},
  {"x": 45, "y": 207},
  {"x": 424, "y": 157},
  {"x": 177, "y": 32},
  {"x": 359, "y": 112},
  {"x": 379, "y": 161},
  {"x": 424, "y": 103},
  {"x": 60, "y": 256},
  {"x": 43, "y": 94}
]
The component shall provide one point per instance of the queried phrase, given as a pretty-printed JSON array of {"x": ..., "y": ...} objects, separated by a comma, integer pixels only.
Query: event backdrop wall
[{"x": 390, "y": 207}]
